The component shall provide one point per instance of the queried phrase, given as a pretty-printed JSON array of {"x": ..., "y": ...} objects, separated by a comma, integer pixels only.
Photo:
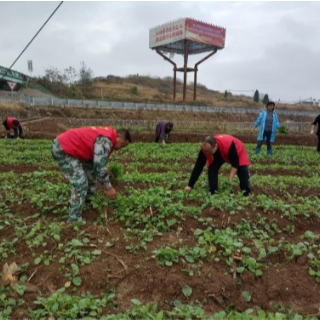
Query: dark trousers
[
  {"x": 267, "y": 136},
  {"x": 17, "y": 132},
  {"x": 242, "y": 173},
  {"x": 318, "y": 146}
]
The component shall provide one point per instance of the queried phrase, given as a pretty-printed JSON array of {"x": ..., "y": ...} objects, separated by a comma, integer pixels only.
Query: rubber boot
[
  {"x": 269, "y": 152},
  {"x": 257, "y": 151}
]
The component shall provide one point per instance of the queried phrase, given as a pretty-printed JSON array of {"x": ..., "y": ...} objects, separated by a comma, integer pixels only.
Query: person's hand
[
  {"x": 187, "y": 189},
  {"x": 252, "y": 129},
  {"x": 311, "y": 132},
  {"x": 111, "y": 194}
]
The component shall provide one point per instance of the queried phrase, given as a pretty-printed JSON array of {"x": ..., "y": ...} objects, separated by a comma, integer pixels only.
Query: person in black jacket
[
  {"x": 314, "y": 123},
  {"x": 215, "y": 151},
  {"x": 163, "y": 130}
]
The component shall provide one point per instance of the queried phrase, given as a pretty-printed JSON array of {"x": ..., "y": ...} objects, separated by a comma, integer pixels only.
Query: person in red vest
[
  {"x": 215, "y": 151},
  {"x": 83, "y": 154},
  {"x": 11, "y": 123}
]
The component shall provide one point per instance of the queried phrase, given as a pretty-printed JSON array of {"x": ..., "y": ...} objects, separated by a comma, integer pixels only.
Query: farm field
[
  {"x": 49, "y": 128},
  {"x": 155, "y": 252}
]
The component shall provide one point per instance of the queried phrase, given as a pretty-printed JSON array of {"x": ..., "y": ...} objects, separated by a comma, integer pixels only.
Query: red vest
[
  {"x": 224, "y": 142},
  {"x": 79, "y": 143},
  {"x": 10, "y": 122}
]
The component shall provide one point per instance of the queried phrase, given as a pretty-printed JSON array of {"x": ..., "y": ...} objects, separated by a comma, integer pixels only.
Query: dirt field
[
  {"x": 286, "y": 284},
  {"x": 49, "y": 128}
]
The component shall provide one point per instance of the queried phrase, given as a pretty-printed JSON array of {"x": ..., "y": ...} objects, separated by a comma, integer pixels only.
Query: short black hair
[
  {"x": 125, "y": 134},
  {"x": 169, "y": 125},
  {"x": 271, "y": 103},
  {"x": 210, "y": 139}
]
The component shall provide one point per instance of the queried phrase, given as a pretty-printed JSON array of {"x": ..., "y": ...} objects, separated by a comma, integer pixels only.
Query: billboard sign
[
  {"x": 188, "y": 29},
  {"x": 205, "y": 33},
  {"x": 167, "y": 33}
]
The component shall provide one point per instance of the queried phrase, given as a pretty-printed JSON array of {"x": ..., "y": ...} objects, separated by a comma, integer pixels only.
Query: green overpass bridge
[{"x": 11, "y": 75}]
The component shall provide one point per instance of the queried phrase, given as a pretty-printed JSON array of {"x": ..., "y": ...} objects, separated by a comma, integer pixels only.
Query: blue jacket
[{"x": 261, "y": 121}]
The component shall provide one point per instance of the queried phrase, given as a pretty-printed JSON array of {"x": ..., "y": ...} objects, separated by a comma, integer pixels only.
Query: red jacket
[
  {"x": 10, "y": 123},
  {"x": 79, "y": 143},
  {"x": 224, "y": 142}
]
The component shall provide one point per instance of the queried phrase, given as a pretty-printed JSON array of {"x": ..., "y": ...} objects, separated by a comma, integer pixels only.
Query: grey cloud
[{"x": 270, "y": 46}]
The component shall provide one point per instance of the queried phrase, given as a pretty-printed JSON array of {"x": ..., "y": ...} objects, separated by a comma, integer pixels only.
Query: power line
[
  {"x": 33, "y": 38},
  {"x": 36, "y": 34}
]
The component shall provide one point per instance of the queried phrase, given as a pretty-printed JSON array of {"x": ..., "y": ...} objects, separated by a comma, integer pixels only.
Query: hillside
[
  {"x": 136, "y": 88},
  {"x": 156, "y": 90}
]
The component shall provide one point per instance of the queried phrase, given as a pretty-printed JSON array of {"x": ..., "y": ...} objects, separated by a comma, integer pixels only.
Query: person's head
[
  {"x": 169, "y": 126},
  {"x": 15, "y": 123},
  {"x": 209, "y": 144},
  {"x": 123, "y": 138},
  {"x": 270, "y": 106}
]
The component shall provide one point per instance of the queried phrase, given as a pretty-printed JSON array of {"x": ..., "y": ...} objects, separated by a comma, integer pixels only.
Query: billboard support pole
[
  {"x": 186, "y": 52},
  {"x": 174, "y": 72},
  {"x": 186, "y": 36},
  {"x": 196, "y": 70},
  {"x": 174, "y": 82}
]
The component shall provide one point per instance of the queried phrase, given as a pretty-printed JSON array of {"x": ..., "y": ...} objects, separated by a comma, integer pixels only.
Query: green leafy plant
[
  {"x": 116, "y": 170},
  {"x": 283, "y": 129},
  {"x": 62, "y": 305},
  {"x": 166, "y": 256},
  {"x": 246, "y": 296},
  {"x": 187, "y": 291}
]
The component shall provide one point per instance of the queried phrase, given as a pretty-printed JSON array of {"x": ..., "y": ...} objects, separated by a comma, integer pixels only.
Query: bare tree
[
  {"x": 86, "y": 79},
  {"x": 70, "y": 75}
]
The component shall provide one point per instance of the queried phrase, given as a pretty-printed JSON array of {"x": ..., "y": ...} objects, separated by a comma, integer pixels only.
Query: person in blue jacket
[{"x": 268, "y": 123}]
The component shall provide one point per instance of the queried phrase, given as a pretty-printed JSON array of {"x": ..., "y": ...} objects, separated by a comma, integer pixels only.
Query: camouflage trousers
[{"x": 80, "y": 176}]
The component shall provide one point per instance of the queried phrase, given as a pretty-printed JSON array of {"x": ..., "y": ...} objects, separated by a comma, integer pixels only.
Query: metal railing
[{"x": 37, "y": 101}]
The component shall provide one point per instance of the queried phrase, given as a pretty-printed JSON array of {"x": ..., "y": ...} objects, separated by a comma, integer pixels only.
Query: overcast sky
[{"x": 270, "y": 46}]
